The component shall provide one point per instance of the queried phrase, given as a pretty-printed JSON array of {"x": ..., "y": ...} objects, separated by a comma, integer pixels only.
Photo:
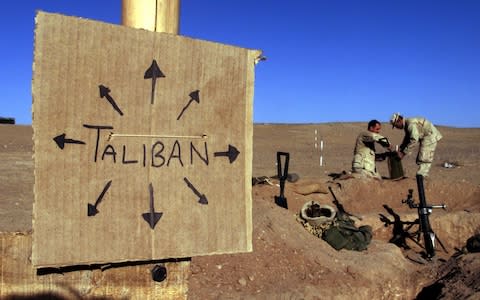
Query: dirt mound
[
  {"x": 287, "y": 261},
  {"x": 458, "y": 279}
]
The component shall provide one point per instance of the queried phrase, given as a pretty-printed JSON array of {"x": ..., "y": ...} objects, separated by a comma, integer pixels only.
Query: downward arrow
[
  {"x": 232, "y": 153},
  {"x": 202, "y": 199},
  {"x": 153, "y": 72},
  {"x": 152, "y": 217},
  {"x": 92, "y": 209},
  {"x": 61, "y": 141}
]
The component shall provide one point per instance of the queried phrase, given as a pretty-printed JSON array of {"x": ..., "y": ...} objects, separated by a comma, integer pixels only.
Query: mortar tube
[{"x": 423, "y": 212}]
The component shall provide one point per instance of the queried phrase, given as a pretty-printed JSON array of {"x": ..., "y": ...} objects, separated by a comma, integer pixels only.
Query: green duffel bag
[{"x": 344, "y": 235}]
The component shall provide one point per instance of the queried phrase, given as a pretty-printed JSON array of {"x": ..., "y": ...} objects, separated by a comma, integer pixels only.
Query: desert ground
[{"x": 287, "y": 261}]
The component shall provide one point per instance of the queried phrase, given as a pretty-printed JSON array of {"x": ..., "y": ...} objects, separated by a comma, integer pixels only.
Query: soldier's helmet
[{"x": 394, "y": 118}]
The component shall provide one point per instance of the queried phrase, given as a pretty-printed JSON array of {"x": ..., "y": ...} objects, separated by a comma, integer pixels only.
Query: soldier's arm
[
  {"x": 411, "y": 139},
  {"x": 383, "y": 141}
]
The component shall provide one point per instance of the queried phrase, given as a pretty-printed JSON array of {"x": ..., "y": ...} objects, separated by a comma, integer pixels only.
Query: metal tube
[{"x": 423, "y": 212}]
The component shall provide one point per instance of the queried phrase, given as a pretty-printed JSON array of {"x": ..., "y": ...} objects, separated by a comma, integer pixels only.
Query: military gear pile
[
  {"x": 343, "y": 234},
  {"x": 339, "y": 232}
]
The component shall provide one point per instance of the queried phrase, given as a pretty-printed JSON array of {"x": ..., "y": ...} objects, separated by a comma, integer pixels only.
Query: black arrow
[
  {"x": 194, "y": 96},
  {"x": 232, "y": 153},
  {"x": 152, "y": 217},
  {"x": 92, "y": 209},
  {"x": 61, "y": 141},
  {"x": 202, "y": 199},
  {"x": 153, "y": 72},
  {"x": 104, "y": 93}
]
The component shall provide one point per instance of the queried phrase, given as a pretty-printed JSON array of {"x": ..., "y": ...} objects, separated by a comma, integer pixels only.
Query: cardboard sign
[{"x": 143, "y": 144}]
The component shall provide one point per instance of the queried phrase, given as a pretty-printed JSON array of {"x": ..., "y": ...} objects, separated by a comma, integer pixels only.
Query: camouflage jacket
[
  {"x": 364, "y": 152},
  {"x": 418, "y": 130},
  {"x": 366, "y": 142}
]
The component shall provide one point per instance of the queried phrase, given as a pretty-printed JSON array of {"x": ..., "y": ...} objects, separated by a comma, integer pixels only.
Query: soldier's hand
[{"x": 400, "y": 154}]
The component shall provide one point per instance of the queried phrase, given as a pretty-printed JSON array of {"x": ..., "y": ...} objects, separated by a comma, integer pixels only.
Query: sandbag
[{"x": 310, "y": 188}]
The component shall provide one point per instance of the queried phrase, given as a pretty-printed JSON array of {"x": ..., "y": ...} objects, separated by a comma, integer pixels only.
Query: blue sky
[{"x": 327, "y": 61}]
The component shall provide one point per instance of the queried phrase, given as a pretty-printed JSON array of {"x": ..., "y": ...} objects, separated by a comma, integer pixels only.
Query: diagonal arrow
[
  {"x": 152, "y": 217},
  {"x": 153, "y": 72},
  {"x": 194, "y": 96},
  {"x": 232, "y": 153},
  {"x": 202, "y": 199},
  {"x": 92, "y": 209},
  {"x": 104, "y": 93},
  {"x": 61, "y": 141}
]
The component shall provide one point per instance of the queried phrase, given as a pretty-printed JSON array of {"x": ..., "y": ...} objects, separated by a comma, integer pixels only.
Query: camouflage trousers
[
  {"x": 425, "y": 158},
  {"x": 363, "y": 165}
]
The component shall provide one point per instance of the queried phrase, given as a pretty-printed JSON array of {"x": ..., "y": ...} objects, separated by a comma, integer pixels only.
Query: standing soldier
[
  {"x": 364, "y": 153},
  {"x": 417, "y": 130}
]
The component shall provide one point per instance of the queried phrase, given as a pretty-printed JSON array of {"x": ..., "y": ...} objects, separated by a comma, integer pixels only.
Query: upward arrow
[
  {"x": 105, "y": 93},
  {"x": 153, "y": 72},
  {"x": 194, "y": 96}
]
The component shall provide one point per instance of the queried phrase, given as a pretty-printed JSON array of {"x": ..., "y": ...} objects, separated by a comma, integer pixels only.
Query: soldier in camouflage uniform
[
  {"x": 417, "y": 131},
  {"x": 363, "y": 163}
]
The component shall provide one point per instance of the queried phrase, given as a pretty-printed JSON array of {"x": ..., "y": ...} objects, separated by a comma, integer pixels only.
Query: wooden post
[
  {"x": 159, "y": 16},
  {"x": 153, "y": 15},
  {"x": 20, "y": 280}
]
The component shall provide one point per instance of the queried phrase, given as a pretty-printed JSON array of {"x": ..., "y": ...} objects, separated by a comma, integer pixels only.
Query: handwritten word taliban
[{"x": 159, "y": 154}]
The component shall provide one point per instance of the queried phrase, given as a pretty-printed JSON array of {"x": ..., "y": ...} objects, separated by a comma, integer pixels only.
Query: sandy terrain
[{"x": 290, "y": 263}]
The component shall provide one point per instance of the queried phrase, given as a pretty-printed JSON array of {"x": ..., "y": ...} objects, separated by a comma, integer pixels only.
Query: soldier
[
  {"x": 417, "y": 131},
  {"x": 364, "y": 153}
]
